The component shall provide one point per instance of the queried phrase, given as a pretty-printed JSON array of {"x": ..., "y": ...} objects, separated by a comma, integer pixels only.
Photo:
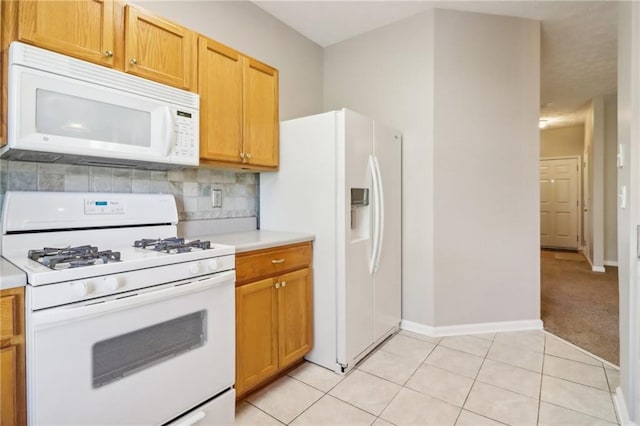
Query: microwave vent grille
[{"x": 44, "y": 60}]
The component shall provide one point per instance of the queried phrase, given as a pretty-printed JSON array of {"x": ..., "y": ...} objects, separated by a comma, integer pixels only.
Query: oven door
[{"x": 142, "y": 359}]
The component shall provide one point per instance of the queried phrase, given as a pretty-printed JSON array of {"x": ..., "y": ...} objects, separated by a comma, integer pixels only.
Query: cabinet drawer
[
  {"x": 8, "y": 320},
  {"x": 263, "y": 263}
]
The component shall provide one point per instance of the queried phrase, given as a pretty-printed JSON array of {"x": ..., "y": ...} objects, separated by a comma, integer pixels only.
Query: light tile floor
[{"x": 518, "y": 378}]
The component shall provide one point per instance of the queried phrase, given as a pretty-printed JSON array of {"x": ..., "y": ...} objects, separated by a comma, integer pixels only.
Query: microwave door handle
[{"x": 169, "y": 127}]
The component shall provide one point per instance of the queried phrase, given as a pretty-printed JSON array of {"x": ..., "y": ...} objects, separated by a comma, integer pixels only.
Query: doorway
[{"x": 560, "y": 202}]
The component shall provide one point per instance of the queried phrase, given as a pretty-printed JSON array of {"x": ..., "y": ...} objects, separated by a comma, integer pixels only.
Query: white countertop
[
  {"x": 10, "y": 276},
  {"x": 256, "y": 240}
]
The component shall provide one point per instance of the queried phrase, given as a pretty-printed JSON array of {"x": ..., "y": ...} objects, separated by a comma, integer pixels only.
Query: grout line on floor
[
  {"x": 544, "y": 349},
  {"x": 260, "y": 409}
]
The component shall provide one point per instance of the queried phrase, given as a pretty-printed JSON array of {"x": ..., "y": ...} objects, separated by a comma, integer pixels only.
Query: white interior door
[
  {"x": 559, "y": 189},
  {"x": 387, "y": 285}
]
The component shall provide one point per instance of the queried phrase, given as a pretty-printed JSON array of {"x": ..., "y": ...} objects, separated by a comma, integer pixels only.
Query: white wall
[
  {"x": 486, "y": 158},
  {"x": 629, "y": 177},
  {"x": 610, "y": 180},
  {"x": 561, "y": 141},
  {"x": 247, "y": 28},
  {"x": 593, "y": 166},
  {"x": 387, "y": 74},
  {"x": 464, "y": 90}
]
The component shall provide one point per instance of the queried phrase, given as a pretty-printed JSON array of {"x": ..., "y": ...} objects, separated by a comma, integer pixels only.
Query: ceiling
[{"x": 578, "y": 50}]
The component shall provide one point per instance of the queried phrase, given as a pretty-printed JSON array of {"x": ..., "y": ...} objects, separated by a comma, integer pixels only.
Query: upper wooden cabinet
[
  {"x": 238, "y": 109},
  {"x": 83, "y": 29},
  {"x": 260, "y": 114},
  {"x": 158, "y": 49},
  {"x": 107, "y": 32},
  {"x": 220, "y": 86}
]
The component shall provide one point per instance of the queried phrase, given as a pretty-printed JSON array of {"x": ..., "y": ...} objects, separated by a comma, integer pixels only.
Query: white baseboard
[
  {"x": 611, "y": 263},
  {"x": 478, "y": 328},
  {"x": 593, "y": 268},
  {"x": 621, "y": 408}
]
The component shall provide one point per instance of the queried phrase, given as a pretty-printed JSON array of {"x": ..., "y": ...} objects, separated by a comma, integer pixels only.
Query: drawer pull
[{"x": 277, "y": 261}]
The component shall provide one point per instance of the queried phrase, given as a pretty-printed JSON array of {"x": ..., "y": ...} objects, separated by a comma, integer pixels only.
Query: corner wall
[
  {"x": 486, "y": 186},
  {"x": 464, "y": 90}
]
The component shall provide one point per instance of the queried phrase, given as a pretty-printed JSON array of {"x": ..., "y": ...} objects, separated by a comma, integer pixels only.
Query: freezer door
[
  {"x": 355, "y": 294},
  {"x": 387, "y": 277}
]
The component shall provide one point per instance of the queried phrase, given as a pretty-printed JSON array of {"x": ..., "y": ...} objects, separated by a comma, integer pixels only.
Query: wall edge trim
[{"x": 621, "y": 408}]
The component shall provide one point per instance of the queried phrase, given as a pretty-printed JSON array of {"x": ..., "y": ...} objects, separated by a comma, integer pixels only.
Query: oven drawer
[
  {"x": 219, "y": 411},
  {"x": 263, "y": 263}
]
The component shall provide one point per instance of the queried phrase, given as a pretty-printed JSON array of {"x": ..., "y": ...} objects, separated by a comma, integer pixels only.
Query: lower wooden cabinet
[
  {"x": 274, "y": 318},
  {"x": 12, "y": 371}
]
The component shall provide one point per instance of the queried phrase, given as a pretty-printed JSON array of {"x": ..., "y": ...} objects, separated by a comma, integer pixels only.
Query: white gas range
[{"x": 126, "y": 323}]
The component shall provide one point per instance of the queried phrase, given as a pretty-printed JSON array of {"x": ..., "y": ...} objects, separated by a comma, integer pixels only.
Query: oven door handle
[{"x": 62, "y": 315}]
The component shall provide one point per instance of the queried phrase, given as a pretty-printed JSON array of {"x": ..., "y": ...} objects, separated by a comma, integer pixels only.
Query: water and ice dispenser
[{"x": 359, "y": 214}]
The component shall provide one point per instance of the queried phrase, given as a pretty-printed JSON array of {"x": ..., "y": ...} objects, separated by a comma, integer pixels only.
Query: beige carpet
[{"x": 579, "y": 305}]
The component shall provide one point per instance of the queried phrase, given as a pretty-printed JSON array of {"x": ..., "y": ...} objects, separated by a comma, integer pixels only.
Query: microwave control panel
[{"x": 186, "y": 143}]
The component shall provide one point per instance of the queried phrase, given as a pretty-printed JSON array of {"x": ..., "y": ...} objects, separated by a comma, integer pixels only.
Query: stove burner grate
[
  {"x": 172, "y": 245},
  {"x": 73, "y": 257}
]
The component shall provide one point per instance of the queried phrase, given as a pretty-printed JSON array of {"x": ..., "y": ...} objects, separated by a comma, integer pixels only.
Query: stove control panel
[
  {"x": 46, "y": 296},
  {"x": 103, "y": 206}
]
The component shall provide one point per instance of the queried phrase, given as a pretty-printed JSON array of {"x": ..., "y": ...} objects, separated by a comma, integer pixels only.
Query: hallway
[{"x": 579, "y": 305}]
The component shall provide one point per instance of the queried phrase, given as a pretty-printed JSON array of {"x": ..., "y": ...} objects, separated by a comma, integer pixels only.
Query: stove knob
[
  {"x": 213, "y": 264},
  {"x": 194, "y": 268},
  {"x": 81, "y": 288},
  {"x": 111, "y": 283}
]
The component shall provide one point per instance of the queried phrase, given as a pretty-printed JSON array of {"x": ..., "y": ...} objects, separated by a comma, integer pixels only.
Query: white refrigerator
[{"x": 340, "y": 179}]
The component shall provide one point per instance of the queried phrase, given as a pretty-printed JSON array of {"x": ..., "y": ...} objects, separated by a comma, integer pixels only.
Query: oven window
[{"x": 120, "y": 356}]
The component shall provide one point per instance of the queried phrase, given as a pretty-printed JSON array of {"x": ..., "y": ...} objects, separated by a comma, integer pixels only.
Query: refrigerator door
[
  {"x": 387, "y": 279},
  {"x": 355, "y": 297}
]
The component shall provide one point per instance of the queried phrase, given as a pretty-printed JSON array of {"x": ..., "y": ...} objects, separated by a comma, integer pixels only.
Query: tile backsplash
[{"x": 191, "y": 187}]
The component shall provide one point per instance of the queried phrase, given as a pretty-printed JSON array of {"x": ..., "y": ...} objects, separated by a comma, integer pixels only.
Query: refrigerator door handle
[
  {"x": 375, "y": 213},
  {"x": 380, "y": 215}
]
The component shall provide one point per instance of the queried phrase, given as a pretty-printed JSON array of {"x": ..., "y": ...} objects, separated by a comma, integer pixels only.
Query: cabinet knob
[
  {"x": 277, "y": 285},
  {"x": 108, "y": 54},
  {"x": 242, "y": 155},
  {"x": 249, "y": 156},
  {"x": 133, "y": 61},
  {"x": 284, "y": 283}
]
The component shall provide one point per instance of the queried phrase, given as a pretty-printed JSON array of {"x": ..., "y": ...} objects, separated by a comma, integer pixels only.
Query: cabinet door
[
  {"x": 12, "y": 372},
  {"x": 256, "y": 333},
  {"x": 8, "y": 386},
  {"x": 260, "y": 114},
  {"x": 158, "y": 50},
  {"x": 295, "y": 316},
  {"x": 81, "y": 28},
  {"x": 220, "y": 88}
]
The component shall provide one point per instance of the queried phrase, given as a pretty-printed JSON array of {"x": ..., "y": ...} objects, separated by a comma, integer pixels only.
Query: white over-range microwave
[{"x": 62, "y": 109}]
